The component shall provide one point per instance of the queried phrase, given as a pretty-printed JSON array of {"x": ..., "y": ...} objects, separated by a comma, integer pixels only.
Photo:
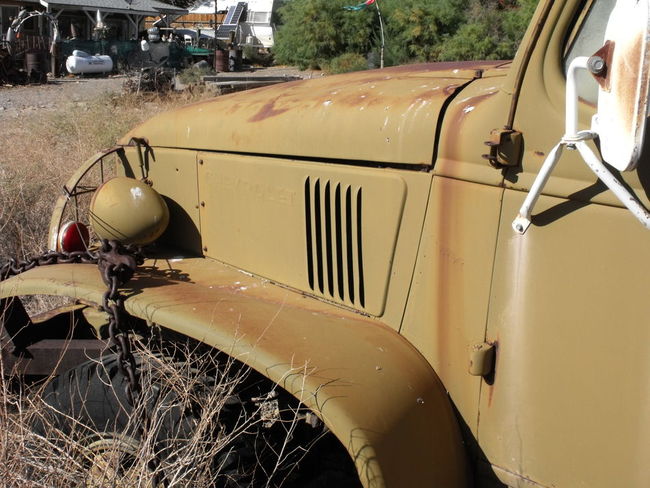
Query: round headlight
[{"x": 128, "y": 211}]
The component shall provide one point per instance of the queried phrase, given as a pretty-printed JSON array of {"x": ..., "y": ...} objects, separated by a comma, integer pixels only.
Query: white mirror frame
[
  {"x": 623, "y": 90},
  {"x": 622, "y": 109}
]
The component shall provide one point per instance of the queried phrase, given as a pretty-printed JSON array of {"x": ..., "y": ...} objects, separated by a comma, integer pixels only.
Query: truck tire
[{"x": 88, "y": 404}]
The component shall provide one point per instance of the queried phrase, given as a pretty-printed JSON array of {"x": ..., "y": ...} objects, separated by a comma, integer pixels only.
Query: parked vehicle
[{"x": 351, "y": 239}]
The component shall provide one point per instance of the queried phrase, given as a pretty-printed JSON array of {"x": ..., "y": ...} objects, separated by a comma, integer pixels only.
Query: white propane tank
[{"x": 81, "y": 62}]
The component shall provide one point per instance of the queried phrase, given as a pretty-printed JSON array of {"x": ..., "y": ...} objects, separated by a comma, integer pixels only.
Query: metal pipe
[
  {"x": 522, "y": 222},
  {"x": 622, "y": 193},
  {"x": 571, "y": 110},
  {"x": 381, "y": 30},
  {"x": 216, "y": 47}
]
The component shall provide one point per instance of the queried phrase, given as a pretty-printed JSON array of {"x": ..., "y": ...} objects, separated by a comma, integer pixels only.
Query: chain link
[
  {"x": 12, "y": 267},
  {"x": 116, "y": 263}
]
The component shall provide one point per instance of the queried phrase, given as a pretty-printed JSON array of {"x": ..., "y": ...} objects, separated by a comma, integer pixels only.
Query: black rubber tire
[
  {"x": 93, "y": 394},
  {"x": 89, "y": 403}
]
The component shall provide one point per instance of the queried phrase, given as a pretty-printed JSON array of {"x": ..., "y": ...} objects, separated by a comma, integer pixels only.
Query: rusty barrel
[
  {"x": 235, "y": 59},
  {"x": 221, "y": 61},
  {"x": 36, "y": 65},
  {"x": 33, "y": 61}
]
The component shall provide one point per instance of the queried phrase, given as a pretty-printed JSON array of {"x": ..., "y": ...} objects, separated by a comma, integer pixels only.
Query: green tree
[
  {"x": 417, "y": 29},
  {"x": 492, "y": 30},
  {"x": 315, "y": 31},
  {"x": 516, "y": 21}
]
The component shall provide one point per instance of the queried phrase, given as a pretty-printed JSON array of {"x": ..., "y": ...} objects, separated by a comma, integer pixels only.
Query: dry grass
[
  {"x": 40, "y": 151},
  {"x": 198, "y": 423},
  {"x": 211, "y": 422}
]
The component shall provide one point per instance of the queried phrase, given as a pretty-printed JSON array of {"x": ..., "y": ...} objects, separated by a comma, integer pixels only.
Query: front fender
[{"x": 368, "y": 384}]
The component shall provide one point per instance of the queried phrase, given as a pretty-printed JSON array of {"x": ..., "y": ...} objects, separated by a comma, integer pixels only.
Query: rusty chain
[
  {"x": 13, "y": 267},
  {"x": 116, "y": 263}
]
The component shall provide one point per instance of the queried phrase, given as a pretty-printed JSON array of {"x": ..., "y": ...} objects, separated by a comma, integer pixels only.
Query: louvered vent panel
[{"x": 333, "y": 226}]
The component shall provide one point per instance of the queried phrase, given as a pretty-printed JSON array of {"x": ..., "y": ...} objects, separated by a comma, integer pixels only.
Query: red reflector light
[{"x": 73, "y": 236}]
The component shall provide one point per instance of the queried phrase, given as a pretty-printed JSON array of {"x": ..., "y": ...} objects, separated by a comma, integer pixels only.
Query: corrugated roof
[{"x": 146, "y": 6}]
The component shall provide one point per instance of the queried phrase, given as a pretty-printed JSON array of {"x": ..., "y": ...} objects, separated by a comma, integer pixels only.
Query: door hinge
[
  {"x": 505, "y": 148},
  {"x": 481, "y": 359}
]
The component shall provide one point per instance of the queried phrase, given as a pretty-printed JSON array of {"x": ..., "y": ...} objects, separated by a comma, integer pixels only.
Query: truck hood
[{"x": 387, "y": 116}]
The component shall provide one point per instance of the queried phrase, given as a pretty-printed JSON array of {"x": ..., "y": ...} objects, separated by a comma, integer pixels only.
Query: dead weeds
[
  {"x": 41, "y": 150},
  {"x": 197, "y": 423}
]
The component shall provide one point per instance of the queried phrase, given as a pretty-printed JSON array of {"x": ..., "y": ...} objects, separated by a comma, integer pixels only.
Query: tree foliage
[
  {"x": 313, "y": 32},
  {"x": 345, "y": 63},
  {"x": 492, "y": 30},
  {"x": 416, "y": 29}
]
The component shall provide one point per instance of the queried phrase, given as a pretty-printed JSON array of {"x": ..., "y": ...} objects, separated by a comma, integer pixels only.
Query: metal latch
[
  {"x": 481, "y": 359},
  {"x": 505, "y": 148}
]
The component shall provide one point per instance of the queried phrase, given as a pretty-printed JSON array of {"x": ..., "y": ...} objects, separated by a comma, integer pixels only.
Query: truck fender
[{"x": 369, "y": 385}]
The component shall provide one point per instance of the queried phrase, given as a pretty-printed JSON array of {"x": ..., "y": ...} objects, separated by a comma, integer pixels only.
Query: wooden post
[
  {"x": 54, "y": 54},
  {"x": 381, "y": 30},
  {"x": 216, "y": 47}
]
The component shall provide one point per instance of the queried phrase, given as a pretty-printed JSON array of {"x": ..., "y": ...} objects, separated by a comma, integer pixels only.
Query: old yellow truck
[{"x": 405, "y": 252}]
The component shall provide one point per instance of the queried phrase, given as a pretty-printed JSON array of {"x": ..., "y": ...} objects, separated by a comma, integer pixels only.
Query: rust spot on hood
[
  {"x": 233, "y": 108},
  {"x": 467, "y": 106},
  {"x": 267, "y": 111},
  {"x": 399, "y": 107},
  {"x": 457, "y": 114},
  {"x": 481, "y": 98},
  {"x": 369, "y": 96},
  {"x": 450, "y": 89}
]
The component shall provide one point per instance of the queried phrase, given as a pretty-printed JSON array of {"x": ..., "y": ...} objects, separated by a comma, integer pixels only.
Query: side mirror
[
  {"x": 623, "y": 84},
  {"x": 621, "y": 68}
]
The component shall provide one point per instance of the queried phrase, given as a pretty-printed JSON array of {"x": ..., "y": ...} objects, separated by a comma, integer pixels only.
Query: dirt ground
[
  {"x": 30, "y": 100},
  {"x": 17, "y": 100}
]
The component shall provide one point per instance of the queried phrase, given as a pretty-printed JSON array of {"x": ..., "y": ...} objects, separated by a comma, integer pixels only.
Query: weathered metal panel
[
  {"x": 305, "y": 225},
  {"x": 448, "y": 302},
  {"x": 570, "y": 403},
  {"x": 370, "y": 386},
  {"x": 387, "y": 116},
  {"x": 470, "y": 118}
]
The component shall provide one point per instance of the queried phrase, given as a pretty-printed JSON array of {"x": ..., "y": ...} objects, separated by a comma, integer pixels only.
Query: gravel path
[
  {"x": 19, "y": 100},
  {"x": 16, "y": 100}
]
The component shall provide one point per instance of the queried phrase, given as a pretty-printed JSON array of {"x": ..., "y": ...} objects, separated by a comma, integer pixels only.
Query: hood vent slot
[{"x": 333, "y": 226}]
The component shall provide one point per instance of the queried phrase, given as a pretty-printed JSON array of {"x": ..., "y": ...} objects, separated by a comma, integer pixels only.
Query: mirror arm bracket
[{"x": 574, "y": 139}]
